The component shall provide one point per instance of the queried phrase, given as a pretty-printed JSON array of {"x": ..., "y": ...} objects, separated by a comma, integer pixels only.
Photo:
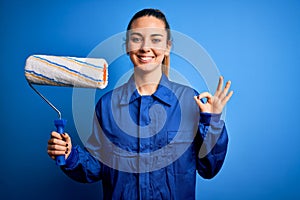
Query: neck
[{"x": 147, "y": 83}]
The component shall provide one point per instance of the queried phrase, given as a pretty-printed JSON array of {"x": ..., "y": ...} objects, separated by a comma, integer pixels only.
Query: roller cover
[{"x": 66, "y": 71}]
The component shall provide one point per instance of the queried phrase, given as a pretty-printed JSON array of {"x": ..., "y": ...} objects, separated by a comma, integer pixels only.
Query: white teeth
[{"x": 145, "y": 58}]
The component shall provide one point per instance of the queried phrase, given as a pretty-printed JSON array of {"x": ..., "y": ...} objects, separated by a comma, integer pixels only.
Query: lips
[{"x": 145, "y": 59}]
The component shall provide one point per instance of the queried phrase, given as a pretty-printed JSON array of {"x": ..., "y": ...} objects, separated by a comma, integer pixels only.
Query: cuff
[
  {"x": 72, "y": 159},
  {"x": 207, "y": 118}
]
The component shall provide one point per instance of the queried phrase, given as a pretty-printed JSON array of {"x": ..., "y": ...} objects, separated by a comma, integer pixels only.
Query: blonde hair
[{"x": 166, "y": 65}]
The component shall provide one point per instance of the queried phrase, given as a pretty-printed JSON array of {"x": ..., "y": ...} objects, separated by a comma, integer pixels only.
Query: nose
[{"x": 146, "y": 45}]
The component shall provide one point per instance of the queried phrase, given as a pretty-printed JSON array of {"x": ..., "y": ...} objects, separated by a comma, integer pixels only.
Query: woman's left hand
[{"x": 216, "y": 103}]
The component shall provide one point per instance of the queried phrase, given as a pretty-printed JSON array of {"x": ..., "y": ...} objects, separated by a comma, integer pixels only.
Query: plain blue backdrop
[{"x": 255, "y": 44}]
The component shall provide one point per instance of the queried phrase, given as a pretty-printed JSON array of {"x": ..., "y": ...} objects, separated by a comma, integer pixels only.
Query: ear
[{"x": 168, "y": 49}]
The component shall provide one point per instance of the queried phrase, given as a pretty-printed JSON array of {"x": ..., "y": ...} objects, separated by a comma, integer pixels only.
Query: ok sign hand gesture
[{"x": 216, "y": 103}]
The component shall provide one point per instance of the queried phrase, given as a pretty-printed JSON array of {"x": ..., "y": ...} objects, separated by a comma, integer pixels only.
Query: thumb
[
  {"x": 66, "y": 137},
  {"x": 198, "y": 101}
]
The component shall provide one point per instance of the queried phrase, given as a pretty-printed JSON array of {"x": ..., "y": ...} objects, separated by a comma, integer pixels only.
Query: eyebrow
[{"x": 152, "y": 35}]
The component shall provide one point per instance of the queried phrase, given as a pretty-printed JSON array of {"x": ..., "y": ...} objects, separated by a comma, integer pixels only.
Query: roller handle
[{"x": 60, "y": 125}]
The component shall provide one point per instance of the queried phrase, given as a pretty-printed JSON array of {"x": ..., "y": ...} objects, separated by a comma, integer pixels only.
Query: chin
[{"x": 149, "y": 67}]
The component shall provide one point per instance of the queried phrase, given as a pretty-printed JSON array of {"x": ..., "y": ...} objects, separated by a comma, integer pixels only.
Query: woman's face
[{"x": 147, "y": 43}]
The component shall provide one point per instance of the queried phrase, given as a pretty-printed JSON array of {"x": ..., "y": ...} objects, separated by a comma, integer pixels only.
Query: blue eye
[
  {"x": 156, "y": 40},
  {"x": 136, "y": 40}
]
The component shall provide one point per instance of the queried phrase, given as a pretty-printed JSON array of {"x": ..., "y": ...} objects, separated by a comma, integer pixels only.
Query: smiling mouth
[{"x": 145, "y": 59}]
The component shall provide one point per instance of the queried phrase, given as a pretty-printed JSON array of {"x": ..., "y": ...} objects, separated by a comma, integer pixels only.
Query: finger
[
  {"x": 66, "y": 137},
  {"x": 54, "y": 153},
  {"x": 198, "y": 101},
  {"x": 226, "y": 89},
  {"x": 220, "y": 86},
  {"x": 57, "y": 147},
  {"x": 50, "y": 154},
  {"x": 227, "y": 98},
  {"x": 56, "y": 135},
  {"x": 204, "y": 95},
  {"x": 57, "y": 141}
]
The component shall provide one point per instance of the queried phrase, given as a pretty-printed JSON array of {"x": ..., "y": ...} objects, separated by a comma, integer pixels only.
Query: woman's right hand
[{"x": 59, "y": 144}]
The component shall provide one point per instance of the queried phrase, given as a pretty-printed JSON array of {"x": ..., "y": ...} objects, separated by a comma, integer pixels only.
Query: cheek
[
  {"x": 133, "y": 47},
  {"x": 132, "y": 56},
  {"x": 159, "y": 52},
  {"x": 160, "y": 49}
]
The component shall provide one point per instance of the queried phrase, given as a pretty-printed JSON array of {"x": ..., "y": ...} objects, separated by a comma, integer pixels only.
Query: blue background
[{"x": 255, "y": 44}]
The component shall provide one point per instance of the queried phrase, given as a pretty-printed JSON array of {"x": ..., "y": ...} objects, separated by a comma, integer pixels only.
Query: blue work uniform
[{"x": 150, "y": 147}]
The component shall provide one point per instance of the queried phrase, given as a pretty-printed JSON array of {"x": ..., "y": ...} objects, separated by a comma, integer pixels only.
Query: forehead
[{"x": 148, "y": 25}]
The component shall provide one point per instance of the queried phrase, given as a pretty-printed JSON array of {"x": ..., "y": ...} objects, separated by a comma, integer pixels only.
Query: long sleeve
[
  {"x": 173, "y": 153},
  {"x": 211, "y": 145},
  {"x": 82, "y": 166}
]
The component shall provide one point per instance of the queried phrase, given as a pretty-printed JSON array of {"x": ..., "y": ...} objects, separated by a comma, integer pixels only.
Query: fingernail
[{"x": 67, "y": 144}]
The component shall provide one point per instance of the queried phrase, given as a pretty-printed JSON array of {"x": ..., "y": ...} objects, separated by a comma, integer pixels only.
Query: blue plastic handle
[{"x": 60, "y": 125}]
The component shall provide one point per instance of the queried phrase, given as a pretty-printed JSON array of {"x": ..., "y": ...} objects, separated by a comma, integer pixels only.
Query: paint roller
[{"x": 68, "y": 72}]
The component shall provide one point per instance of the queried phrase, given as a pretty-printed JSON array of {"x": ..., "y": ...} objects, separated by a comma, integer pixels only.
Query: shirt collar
[{"x": 163, "y": 92}]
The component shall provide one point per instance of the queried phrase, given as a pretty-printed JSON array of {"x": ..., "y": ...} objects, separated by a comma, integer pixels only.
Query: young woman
[{"x": 150, "y": 135}]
